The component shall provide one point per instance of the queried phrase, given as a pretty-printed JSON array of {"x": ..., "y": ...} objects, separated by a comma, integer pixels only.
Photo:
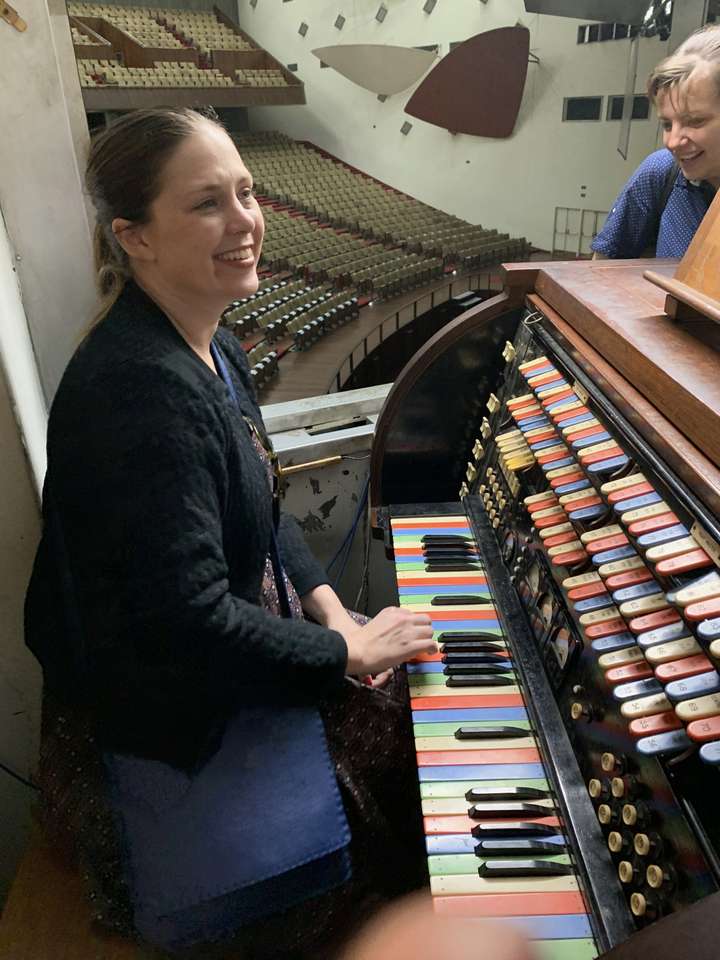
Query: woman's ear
[{"x": 131, "y": 238}]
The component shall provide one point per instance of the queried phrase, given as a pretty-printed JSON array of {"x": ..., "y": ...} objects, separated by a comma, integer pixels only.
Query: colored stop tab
[
  {"x": 571, "y": 477},
  {"x": 684, "y": 563},
  {"x": 630, "y": 578},
  {"x": 679, "y": 669},
  {"x": 626, "y": 493},
  {"x": 570, "y": 559},
  {"x": 703, "y": 730},
  {"x": 600, "y": 455},
  {"x": 534, "y": 508},
  {"x": 561, "y": 416},
  {"x": 651, "y": 524},
  {"x": 542, "y": 378},
  {"x": 661, "y": 618},
  {"x": 606, "y": 543},
  {"x": 704, "y": 610},
  {"x": 549, "y": 521},
  {"x": 606, "y": 629},
  {"x": 559, "y": 538},
  {"x": 657, "y": 723},
  {"x": 586, "y": 591},
  {"x": 632, "y": 671},
  {"x": 548, "y": 399},
  {"x": 557, "y": 453},
  {"x": 514, "y": 402}
]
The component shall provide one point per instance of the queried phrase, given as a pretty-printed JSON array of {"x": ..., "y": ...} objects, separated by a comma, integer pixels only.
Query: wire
[
  {"x": 345, "y": 547},
  {"x": 22, "y": 780}
]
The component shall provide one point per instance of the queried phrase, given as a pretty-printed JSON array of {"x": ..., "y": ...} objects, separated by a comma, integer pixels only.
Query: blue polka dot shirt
[{"x": 631, "y": 225}]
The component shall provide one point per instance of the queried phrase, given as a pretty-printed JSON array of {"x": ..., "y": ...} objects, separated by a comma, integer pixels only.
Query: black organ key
[
  {"x": 460, "y": 636},
  {"x": 464, "y": 598},
  {"x": 507, "y": 793},
  {"x": 446, "y": 538},
  {"x": 524, "y": 868},
  {"x": 470, "y": 646},
  {"x": 479, "y": 680},
  {"x": 453, "y": 567},
  {"x": 454, "y": 557},
  {"x": 507, "y": 809},
  {"x": 510, "y": 848},
  {"x": 511, "y": 831},
  {"x": 454, "y": 656}
]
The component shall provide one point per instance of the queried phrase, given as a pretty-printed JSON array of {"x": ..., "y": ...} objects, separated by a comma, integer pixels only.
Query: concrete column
[
  {"x": 688, "y": 15},
  {"x": 42, "y": 155}
]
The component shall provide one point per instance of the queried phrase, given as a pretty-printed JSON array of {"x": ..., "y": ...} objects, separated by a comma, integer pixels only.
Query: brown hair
[
  {"x": 674, "y": 71},
  {"x": 124, "y": 169}
]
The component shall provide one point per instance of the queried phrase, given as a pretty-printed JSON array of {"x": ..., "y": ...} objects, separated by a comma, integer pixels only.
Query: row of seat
[
  {"x": 102, "y": 73},
  {"x": 202, "y": 29},
  {"x": 138, "y": 22},
  {"x": 260, "y": 78}
]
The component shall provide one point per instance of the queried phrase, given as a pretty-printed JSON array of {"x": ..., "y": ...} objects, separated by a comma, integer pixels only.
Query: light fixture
[
  {"x": 429, "y": 6},
  {"x": 303, "y": 29},
  {"x": 405, "y": 128},
  {"x": 382, "y": 13},
  {"x": 339, "y": 21}
]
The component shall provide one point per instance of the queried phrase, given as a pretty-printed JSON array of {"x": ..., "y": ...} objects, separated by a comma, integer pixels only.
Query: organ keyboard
[{"x": 565, "y": 543}]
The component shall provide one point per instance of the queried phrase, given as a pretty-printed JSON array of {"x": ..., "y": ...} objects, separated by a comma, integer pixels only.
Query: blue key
[
  {"x": 469, "y": 715},
  {"x": 541, "y": 391},
  {"x": 709, "y": 629},
  {"x": 544, "y": 444},
  {"x": 594, "y": 603},
  {"x": 590, "y": 441},
  {"x": 450, "y": 843},
  {"x": 548, "y": 368},
  {"x": 463, "y": 531},
  {"x": 580, "y": 418},
  {"x": 618, "y": 641},
  {"x": 572, "y": 487},
  {"x": 673, "y": 631},
  {"x": 638, "y": 688},
  {"x": 691, "y": 687},
  {"x": 561, "y": 926},
  {"x": 445, "y": 590},
  {"x": 610, "y": 556},
  {"x": 710, "y": 752},
  {"x": 670, "y": 742},
  {"x": 483, "y": 771},
  {"x": 646, "y": 589},
  {"x": 484, "y": 625},
  {"x": 634, "y": 503},
  {"x": 609, "y": 466},
  {"x": 436, "y": 667},
  {"x": 530, "y": 423},
  {"x": 559, "y": 403},
  {"x": 556, "y": 464},
  {"x": 588, "y": 513},
  {"x": 676, "y": 532}
]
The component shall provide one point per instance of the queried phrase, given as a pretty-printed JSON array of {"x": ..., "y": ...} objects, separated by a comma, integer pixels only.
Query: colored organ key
[{"x": 704, "y": 730}]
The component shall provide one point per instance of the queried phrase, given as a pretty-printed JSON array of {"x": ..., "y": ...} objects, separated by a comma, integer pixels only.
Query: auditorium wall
[{"x": 513, "y": 184}]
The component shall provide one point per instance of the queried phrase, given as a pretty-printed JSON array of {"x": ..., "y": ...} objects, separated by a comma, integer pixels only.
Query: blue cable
[{"x": 345, "y": 547}]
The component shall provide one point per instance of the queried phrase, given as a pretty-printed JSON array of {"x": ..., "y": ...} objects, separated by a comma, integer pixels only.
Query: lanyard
[{"x": 278, "y": 572}]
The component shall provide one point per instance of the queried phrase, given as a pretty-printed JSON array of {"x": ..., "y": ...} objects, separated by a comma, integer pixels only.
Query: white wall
[{"x": 514, "y": 184}]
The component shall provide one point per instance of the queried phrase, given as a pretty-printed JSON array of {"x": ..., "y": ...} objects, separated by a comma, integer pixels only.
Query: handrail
[{"x": 393, "y": 320}]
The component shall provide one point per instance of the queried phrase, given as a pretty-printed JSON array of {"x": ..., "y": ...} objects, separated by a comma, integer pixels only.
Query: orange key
[
  {"x": 636, "y": 490},
  {"x": 657, "y": 723},
  {"x": 567, "y": 478},
  {"x": 569, "y": 559},
  {"x": 638, "y": 527},
  {"x": 554, "y": 455},
  {"x": 540, "y": 379},
  {"x": 606, "y": 543},
  {"x": 601, "y": 455},
  {"x": 679, "y": 669},
  {"x": 618, "y": 580},
  {"x": 605, "y": 629},
  {"x": 510, "y": 904},
  {"x": 703, "y": 730},
  {"x": 551, "y": 521},
  {"x": 704, "y": 610},
  {"x": 559, "y": 538},
  {"x": 556, "y": 397},
  {"x": 588, "y": 501},
  {"x": 633, "y": 671},
  {"x": 673, "y": 566},
  {"x": 471, "y": 700},
  {"x": 587, "y": 590},
  {"x": 559, "y": 418},
  {"x": 661, "y": 618},
  {"x": 454, "y": 758},
  {"x": 545, "y": 505}
]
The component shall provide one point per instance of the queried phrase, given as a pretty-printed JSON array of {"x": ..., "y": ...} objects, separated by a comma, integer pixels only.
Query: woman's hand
[{"x": 392, "y": 637}]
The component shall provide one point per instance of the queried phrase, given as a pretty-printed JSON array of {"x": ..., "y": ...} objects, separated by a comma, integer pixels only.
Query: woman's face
[
  {"x": 690, "y": 120},
  {"x": 203, "y": 241}
]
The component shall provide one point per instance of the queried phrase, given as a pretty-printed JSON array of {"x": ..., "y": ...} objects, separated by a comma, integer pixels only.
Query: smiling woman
[
  {"x": 207, "y": 751},
  {"x": 665, "y": 200}
]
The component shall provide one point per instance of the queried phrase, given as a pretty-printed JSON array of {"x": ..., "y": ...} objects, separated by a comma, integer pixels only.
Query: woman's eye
[
  {"x": 247, "y": 194},
  {"x": 207, "y": 204}
]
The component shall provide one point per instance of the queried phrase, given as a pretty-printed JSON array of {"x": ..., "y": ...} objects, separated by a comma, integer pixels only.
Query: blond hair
[{"x": 674, "y": 71}]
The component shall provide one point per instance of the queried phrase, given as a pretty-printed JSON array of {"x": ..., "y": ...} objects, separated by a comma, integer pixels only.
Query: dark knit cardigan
[{"x": 157, "y": 521}]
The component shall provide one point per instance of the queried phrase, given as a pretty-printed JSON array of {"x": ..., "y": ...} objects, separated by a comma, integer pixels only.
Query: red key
[
  {"x": 586, "y": 590},
  {"x": 636, "y": 490},
  {"x": 606, "y": 629},
  {"x": 559, "y": 538},
  {"x": 546, "y": 401},
  {"x": 552, "y": 521},
  {"x": 589, "y": 458},
  {"x": 589, "y": 501},
  {"x": 569, "y": 559},
  {"x": 526, "y": 413},
  {"x": 606, "y": 543},
  {"x": 567, "y": 478},
  {"x": 437, "y": 613},
  {"x": 661, "y": 618},
  {"x": 545, "y": 435},
  {"x": 467, "y": 580},
  {"x": 564, "y": 415},
  {"x": 704, "y": 730},
  {"x": 471, "y": 700},
  {"x": 588, "y": 432},
  {"x": 651, "y": 524},
  {"x": 510, "y": 904},
  {"x": 453, "y": 758},
  {"x": 628, "y": 579},
  {"x": 679, "y": 669},
  {"x": 657, "y": 723},
  {"x": 514, "y": 402},
  {"x": 692, "y": 560},
  {"x": 541, "y": 378},
  {"x": 554, "y": 455},
  {"x": 703, "y": 610},
  {"x": 543, "y": 505},
  {"x": 632, "y": 671}
]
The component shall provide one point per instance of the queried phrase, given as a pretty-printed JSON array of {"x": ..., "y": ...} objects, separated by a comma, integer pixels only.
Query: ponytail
[{"x": 111, "y": 270}]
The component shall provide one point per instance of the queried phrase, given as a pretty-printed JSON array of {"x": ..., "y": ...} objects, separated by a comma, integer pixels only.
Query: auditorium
[{"x": 371, "y": 610}]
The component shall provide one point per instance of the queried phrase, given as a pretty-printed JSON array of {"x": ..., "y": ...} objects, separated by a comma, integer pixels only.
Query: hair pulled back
[
  {"x": 674, "y": 71},
  {"x": 123, "y": 177}
]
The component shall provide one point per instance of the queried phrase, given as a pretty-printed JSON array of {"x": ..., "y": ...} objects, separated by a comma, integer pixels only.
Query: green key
[
  {"x": 448, "y": 729},
  {"x": 434, "y": 679},
  {"x": 565, "y": 949},
  {"x": 439, "y": 789},
  {"x": 446, "y": 864}
]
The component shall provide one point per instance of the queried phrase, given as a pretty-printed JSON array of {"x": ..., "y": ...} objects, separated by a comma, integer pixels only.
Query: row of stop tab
[{"x": 644, "y": 588}]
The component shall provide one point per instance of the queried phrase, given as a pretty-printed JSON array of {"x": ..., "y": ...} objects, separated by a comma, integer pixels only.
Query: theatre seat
[{"x": 46, "y": 916}]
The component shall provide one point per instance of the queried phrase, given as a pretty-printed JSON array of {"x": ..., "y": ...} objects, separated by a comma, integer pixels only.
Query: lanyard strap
[{"x": 275, "y": 561}]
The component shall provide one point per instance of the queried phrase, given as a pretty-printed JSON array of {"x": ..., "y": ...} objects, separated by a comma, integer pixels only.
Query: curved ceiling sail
[
  {"x": 477, "y": 88},
  {"x": 377, "y": 67}
]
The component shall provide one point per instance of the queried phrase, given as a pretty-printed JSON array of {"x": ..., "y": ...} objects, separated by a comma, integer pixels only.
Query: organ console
[{"x": 546, "y": 475}]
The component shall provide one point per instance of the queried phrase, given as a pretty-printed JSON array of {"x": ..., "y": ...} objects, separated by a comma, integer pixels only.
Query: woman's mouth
[{"x": 241, "y": 255}]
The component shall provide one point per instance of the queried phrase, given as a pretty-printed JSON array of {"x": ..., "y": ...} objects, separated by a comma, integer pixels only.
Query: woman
[
  {"x": 665, "y": 200},
  {"x": 154, "y": 601}
]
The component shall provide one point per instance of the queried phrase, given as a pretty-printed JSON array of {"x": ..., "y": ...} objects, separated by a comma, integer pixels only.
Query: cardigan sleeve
[{"x": 142, "y": 495}]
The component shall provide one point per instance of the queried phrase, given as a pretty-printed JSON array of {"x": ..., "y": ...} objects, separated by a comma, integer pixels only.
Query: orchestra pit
[{"x": 423, "y": 480}]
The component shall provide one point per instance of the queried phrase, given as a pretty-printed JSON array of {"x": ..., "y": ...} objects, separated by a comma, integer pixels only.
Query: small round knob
[
  {"x": 627, "y": 872},
  {"x": 618, "y": 842},
  {"x": 617, "y": 787},
  {"x": 577, "y": 689},
  {"x": 638, "y": 905},
  {"x": 647, "y": 845},
  {"x": 580, "y": 711},
  {"x": 630, "y": 815},
  {"x": 606, "y": 815},
  {"x": 658, "y": 876},
  {"x": 610, "y": 763},
  {"x": 596, "y": 789}
]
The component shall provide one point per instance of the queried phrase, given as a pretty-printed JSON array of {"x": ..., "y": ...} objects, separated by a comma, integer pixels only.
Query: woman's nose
[
  {"x": 674, "y": 137},
  {"x": 242, "y": 219}
]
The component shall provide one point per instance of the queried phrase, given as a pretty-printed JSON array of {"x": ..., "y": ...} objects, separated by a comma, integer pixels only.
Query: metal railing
[
  {"x": 574, "y": 229},
  {"x": 407, "y": 313}
]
